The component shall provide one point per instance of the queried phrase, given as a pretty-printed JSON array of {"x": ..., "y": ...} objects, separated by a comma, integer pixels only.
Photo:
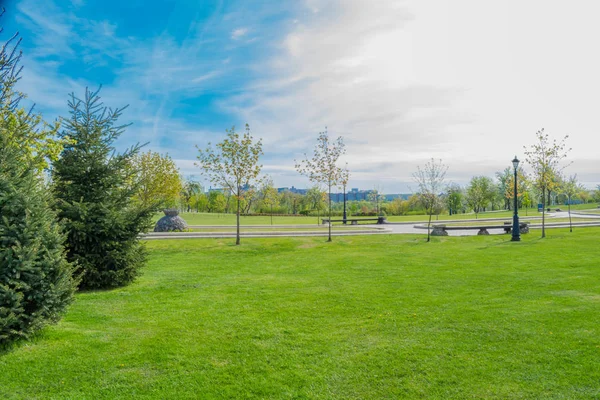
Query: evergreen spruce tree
[
  {"x": 36, "y": 282},
  {"x": 94, "y": 188}
]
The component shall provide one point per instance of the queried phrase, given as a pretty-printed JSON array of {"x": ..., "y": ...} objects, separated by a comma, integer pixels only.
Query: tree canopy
[
  {"x": 95, "y": 187},
  {"x": 233, "y": 165},
  {"x": 322, "y": 167}
]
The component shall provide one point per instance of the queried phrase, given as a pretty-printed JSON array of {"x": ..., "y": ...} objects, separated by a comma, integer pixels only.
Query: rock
[
  {"x": 439, "y": 230},
  {"x": 170, "y": 222}
]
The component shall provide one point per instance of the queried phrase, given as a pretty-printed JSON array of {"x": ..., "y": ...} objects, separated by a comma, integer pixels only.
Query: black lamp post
[
  {"x": 344, "y": 204},
  {"x": 516, "y": 232}
]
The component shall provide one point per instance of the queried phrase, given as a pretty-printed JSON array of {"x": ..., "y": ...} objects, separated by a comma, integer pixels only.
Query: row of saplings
[{"x": 74, "y": 227}]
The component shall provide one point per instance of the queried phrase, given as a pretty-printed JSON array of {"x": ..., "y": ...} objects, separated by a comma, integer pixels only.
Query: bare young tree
[
  {"x": 233, "y": 165},
  {"x": 430, "y": 182},
  {"x": 545, "y": 157},
  {"x": 322, "y": 167},
  {"x": 271, "y": 197},
  {"x": 570, "y": 188}
]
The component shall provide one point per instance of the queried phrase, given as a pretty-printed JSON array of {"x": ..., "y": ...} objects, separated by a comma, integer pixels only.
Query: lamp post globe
[{"x": 516, "y": 231}]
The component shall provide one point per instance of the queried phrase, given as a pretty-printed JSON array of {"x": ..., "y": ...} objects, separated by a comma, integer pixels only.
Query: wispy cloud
[
  {"x": 239, "y": 33},
  {"x": 401, "y": 81}
]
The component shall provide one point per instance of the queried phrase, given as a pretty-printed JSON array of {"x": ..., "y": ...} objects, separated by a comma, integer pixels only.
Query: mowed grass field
[{"x": 386, "y": 316}]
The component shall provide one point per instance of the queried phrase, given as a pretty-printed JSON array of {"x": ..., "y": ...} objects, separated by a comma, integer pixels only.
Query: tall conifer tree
[
  {"x": 94, "y": 187},
  {"x": 36, "y": 282}
]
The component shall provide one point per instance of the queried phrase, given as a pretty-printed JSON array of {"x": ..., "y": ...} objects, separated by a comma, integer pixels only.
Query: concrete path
[{"x": 388, "y": 228}]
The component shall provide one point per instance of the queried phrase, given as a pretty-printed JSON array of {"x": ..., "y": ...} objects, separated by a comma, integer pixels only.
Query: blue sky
[{"x": 401, "y": 81}]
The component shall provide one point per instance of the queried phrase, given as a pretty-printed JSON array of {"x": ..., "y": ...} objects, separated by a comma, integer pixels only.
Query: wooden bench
[
  {"x": 442, "y": 230},
  {"x": 354, "y": 221}
]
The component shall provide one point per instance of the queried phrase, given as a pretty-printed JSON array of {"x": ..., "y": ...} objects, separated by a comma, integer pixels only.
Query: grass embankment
[{"x": 363, "y": 317}]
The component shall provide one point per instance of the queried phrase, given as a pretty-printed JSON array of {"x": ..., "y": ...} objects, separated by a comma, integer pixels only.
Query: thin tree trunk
[
  {"x": 429, "y": 227},
  {"x": 237, "y": 236},
  {"x": 329, "y": 240},
  {"x": 543, "y": 213},
  {"x": 570, "y": 222},
  {"x": 271, "y": 215}
]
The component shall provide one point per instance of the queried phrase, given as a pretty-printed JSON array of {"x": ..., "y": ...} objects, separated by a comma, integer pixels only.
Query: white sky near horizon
[
  {"x": 402, "y": 81},
  {"x": 466, "y": 81}
]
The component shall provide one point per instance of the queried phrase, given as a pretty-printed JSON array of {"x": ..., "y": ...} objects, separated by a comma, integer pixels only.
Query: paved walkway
[{"x": 388, "y": 228}]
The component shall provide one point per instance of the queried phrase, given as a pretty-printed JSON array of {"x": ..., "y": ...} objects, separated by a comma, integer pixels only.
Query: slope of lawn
[{"x": 386, "y": 316}]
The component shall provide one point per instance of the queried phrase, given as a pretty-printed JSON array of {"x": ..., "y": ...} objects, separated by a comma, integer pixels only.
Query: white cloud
[
  {"x": 467, "y": 81},
  {"x": 239, "y": 33},
  {"x": 403, "y": 81}
]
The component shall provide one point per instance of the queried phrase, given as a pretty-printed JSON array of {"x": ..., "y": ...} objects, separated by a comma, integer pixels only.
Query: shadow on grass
[{"x": 24, "y": 341}]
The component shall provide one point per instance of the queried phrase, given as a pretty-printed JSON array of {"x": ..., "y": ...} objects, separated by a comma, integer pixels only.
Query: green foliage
[
  {"x": 570, "y": 187},
  {"x": 36, "y": 282},
  {"x": 159, "y": 182},
  {"x": 270, "y": 197},
  {"x": 193, "y": 197},
  {"x": 454, "y": 198},
  {"x": 233, "y": 165},
  {"x": 430, "y": 181},
  {"x": 34, "y": 140},
  {"x": 216, "y": 201},
  {"x": 322, "y": 167},
  {"x": 545, "y": 157},
  {"x": 291, "y": 202},
  {"x": 94, "y": 187},
  {"x": 596, "y": 194},
  {"x": 480, "y": 192}
]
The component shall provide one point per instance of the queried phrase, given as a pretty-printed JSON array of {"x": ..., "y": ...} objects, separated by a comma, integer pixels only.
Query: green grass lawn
[
  {"x": 364, "y": 317},
  {"x": 531, "y": 221},
  {"x": 320, "y": 228}
]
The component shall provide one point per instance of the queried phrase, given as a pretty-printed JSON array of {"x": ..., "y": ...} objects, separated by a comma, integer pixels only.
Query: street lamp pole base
[{"x": 516, "y": 229}]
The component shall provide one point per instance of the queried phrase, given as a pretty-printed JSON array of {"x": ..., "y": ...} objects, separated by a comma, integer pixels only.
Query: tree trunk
[
  {"x": 543, "y": 213},
  {"x": 237, "y": 236},
  {"x": 429, "y": 227},
  {"x": 329, "y": 240},
  {"x": 570, "y": 222}
]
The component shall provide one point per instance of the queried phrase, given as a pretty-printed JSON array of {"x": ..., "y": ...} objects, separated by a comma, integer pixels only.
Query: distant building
[
  {"x": 292, "y": 190},
  {"x": 354, "y": 194}
]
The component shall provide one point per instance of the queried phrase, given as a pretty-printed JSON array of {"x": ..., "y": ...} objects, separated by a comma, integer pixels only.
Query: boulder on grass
[{"x": 171, "y": 222}]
